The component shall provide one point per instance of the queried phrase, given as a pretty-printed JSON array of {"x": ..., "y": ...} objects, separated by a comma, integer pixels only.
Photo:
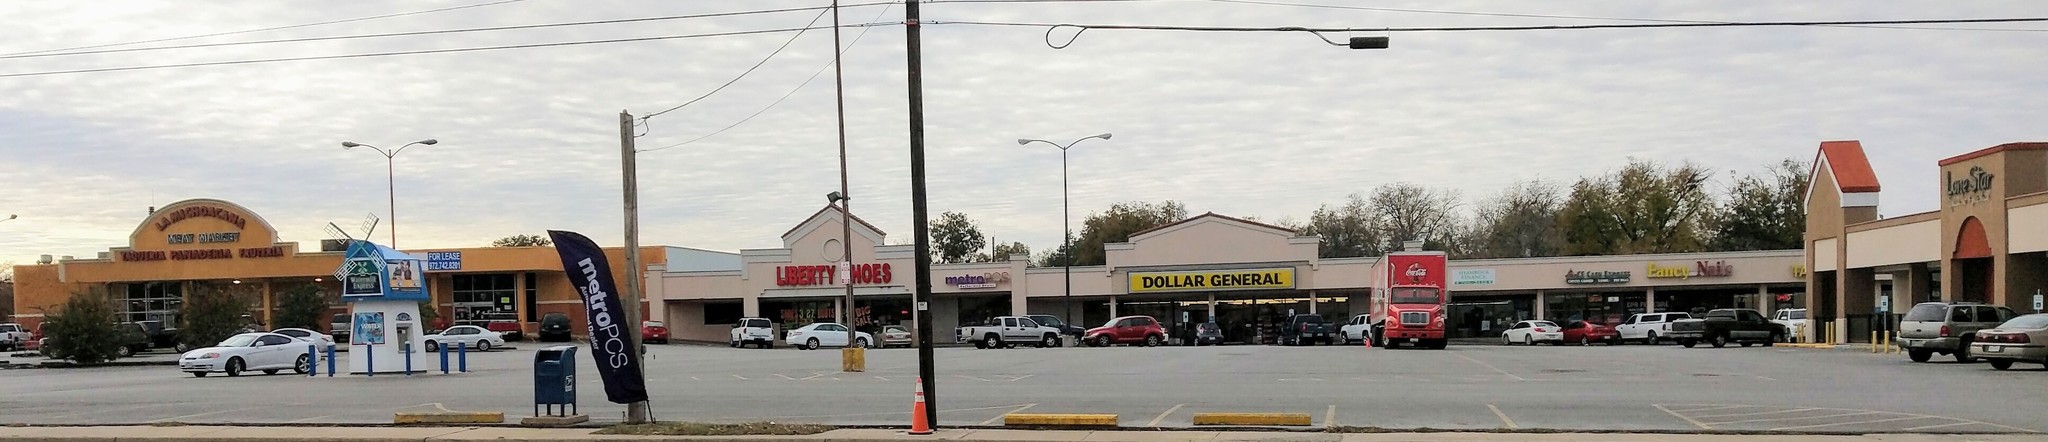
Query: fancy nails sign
[
  {"x": 1700, "y": 268},
  {"x": 797, "y": 276}
]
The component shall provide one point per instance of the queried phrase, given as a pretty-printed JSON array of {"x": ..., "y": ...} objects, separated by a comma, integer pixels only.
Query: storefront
[
  {"x": 1988, "y": 242},
  {"x": 209, "y": 245}
]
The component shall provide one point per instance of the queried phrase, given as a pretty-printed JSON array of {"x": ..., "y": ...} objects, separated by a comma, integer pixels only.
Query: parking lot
[{"x": 1632, "y": 387}]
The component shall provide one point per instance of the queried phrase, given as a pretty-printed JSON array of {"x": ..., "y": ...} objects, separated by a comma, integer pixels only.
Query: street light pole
[
  {"x": 1066, "y": 222},
  {"x": 390, "y": 177},
  {"x": 849, "y": 360}
]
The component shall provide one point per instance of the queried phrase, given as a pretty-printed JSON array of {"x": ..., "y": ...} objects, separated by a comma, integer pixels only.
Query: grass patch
[{"x": 697, "y": 429}]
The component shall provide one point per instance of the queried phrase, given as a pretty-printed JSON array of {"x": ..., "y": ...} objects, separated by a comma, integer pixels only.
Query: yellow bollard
[{"x": 1873, "y": 342}]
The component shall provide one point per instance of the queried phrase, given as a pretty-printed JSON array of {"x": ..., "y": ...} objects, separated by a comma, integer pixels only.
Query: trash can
[{"x": 554, "y": 380}]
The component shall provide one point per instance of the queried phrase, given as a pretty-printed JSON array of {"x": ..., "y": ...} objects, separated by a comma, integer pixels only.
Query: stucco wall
[
  {"x": 1903, "y": 244},
  {"x": 1824, "y": 255},
  {"x": 1212, "y": 240},
  {"x": 2029, "y": 225}
]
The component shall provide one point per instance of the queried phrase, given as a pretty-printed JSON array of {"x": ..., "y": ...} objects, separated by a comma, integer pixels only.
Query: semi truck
[{"x": 1408, "y": 299}]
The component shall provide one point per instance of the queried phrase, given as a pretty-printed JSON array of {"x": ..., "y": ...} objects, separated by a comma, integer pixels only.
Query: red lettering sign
[
  {"x": 876, "y": 273},
  {"x": 263, "y": 252},
  {"x": 182, "y": 255},
  {"x": 146, "y": 255},
  {"x": 174, "y": 216}
]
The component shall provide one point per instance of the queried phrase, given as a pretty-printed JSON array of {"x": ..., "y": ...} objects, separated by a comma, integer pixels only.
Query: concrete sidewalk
[{"x": 509, "y": 434}]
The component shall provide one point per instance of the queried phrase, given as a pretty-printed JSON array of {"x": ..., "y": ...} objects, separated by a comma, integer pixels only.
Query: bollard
[
  {"x": 406, "y": 351},
  {"x": 312, "y": 360},
  {"x": 1891, "y": 343},
  {"x": 462, "y": 357},
  {"x": 330, "y": 362},
  {"x": 369, "y": 361},
  {"x": 444, "y": 357},
  {"x": 1873, "y": 342}
]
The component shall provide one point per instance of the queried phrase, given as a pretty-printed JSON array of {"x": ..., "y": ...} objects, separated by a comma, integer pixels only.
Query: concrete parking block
[
  {"x": 1060, "y": 419},
  {"x": 450, "y": 417},
  {"x": 1288, "y": 419},
  {"x": 554, "y": 421}
]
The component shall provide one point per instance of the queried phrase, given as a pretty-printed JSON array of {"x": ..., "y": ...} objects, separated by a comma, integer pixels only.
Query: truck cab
[{"x": 1409, "y": 298}]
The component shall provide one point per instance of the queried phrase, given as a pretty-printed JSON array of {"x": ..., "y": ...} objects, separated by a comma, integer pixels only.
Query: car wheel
[
  {"x": 1152, "y": 340},
  {"x": 234, "y": 367},
  {"x": 811, "y": 344},
  {"x": 1652, "y": 340},
  {"x": 431, "y": 346},
  {"x": 1049, "y": 341},
  {"x": 1919, "y": 355},
  {"x": 1529, "y": 340},
  {"x": 1720, "y": 340},
  {"x": 1504, "y": 340},
  {"x": 483, "y": 345},
  {"x": 1688, "y": 343},
  {"x": 1102, "y": 341},
  {"x": 992, "y": 341},
  {"x": 733, "y": 344},
  {"x": 304, "y": 365},
  {"x": 2001, "y": 364},
  {"x": 1962, "y": 353},
  {"x": 1585, "y": 342},
  {"x": 862, "y": 343}
]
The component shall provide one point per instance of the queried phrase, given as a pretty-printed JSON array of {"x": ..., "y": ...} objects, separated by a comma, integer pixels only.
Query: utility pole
[
  {"x": 853, "y": 358},
  {"x": 636, "y": 413},
  {"x": 922, "y": 225}
]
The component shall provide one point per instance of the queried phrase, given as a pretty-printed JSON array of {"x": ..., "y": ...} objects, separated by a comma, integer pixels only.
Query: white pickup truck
[
  {"x": 13, "y": 337},
  {"x": 1008, "y": 331},
  {"x": 1649, "y": 328}
]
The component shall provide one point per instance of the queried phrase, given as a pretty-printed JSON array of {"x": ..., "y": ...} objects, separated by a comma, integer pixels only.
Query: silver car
[
  {"x": 2023, "y": 339},
  {"x": 1947, "y": 328}
]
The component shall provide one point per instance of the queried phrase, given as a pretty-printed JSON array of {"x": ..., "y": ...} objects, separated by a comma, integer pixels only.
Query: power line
[
  {"x": 1050, "y": 27},
  {"x": 449, "y": 31},
  {"x": 1569, "y": 17},
  {"x": 432, "y": 51},
  {"x": 750, "y": 69},
  {"x": 778, "y": 101},
  {"x": 217, "y": 34}
]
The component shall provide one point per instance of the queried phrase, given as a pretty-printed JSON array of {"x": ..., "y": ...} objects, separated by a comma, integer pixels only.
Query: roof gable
[
  {"x": 1846, "y": 162},
  {"x": 826, "y": 214},
  {"x": 1212, "y": 216}
]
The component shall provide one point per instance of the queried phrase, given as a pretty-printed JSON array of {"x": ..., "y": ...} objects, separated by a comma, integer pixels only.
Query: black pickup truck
[
  {"x": 1306, "y": 330},
  {"x": 1722, "y": 326}
]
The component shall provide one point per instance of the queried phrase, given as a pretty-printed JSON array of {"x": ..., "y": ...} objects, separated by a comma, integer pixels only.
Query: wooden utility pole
[
  {"x": 636, "y": 413},
  {"x": 922, "y": 225}
]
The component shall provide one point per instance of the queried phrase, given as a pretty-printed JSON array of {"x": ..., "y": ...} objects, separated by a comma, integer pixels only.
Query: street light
[
  {"x": 1066, "y": 221},
  {"x": 10, "y": 217},
  {"x": 390, "y": 177}
]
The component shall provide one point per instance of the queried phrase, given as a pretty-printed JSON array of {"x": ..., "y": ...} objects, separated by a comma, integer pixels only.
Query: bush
[
  {"x": 302, "y": 307},
  {"x": 210, "y": 316},
  {"x": 83, "y": 331}
]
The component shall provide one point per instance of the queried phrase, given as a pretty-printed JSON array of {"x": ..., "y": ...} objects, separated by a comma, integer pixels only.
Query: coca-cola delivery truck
[{"x": 1408, "y": 299}]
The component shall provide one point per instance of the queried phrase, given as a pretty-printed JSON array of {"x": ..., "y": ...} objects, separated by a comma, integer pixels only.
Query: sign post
[{"x": 2037, "y": 301}]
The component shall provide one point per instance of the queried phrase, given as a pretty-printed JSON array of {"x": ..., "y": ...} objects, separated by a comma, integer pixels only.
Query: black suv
[{"x": 554, "y": 327}]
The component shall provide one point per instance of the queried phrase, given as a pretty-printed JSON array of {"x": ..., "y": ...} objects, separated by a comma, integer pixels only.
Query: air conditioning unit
[
  {"x": 45, "y": 259},
  {"x": 334, "y": 245}
]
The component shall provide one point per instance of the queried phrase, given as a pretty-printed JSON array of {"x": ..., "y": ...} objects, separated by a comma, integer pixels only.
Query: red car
[
  {"x": 653, "y": 332},
  {"x": 1134, "y": 330},
  {"x": 1587, "y": 333},
  {"x": 510, "y": 330}
]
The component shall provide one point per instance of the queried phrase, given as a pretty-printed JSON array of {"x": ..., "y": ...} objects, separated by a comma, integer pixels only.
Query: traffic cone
[
  {"x": 1368, "y": 342},
  {"x": 918, "y": 424}
]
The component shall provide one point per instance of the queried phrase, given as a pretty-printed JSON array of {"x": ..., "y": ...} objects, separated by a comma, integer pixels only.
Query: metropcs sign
[
  {"x": 795, "y": 276},
  {"x": 1699, "y": 268},
  {"x": 1212, "y": 280},
  {"x": 981, "y": 281}
]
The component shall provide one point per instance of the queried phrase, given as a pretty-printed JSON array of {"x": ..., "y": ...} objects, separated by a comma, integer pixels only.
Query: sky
[{"x": 1266, "y": 125}]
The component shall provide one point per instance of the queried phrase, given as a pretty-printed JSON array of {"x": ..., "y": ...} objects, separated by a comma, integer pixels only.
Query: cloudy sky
[{"x": 1249, "y": 124}]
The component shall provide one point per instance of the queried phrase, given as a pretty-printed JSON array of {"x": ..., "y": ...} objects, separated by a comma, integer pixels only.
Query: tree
[
  {"x": 1117, "y": 224},
  {"x": 955, "y": 238},
  {"x": 210, "y": 315},
  {"x": 1763, "y": 212},
  {"x": 1057, "y": 256},
  {"x": 1346, "y": 231},
  {"x": 523, "y": 240},
  {"x": 6, "y": 289},
  {"x": 84, "y": 331},
  {"x": 303, "y": 306},
  {"x": 1521, "y": 222},
  {"x": 1003, "y": 252},
  {"x": 1404, "y": 212},
  {"x": 1642, "y": 208}
]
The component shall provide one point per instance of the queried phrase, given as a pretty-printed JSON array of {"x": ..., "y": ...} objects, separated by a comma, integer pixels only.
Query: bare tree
[
  {"x": 1346, "y": 231},
  {"x": 1763, "y": 212},
  {"x": 1521, "y": 222},
  {"x": 1406, "y": 211}
]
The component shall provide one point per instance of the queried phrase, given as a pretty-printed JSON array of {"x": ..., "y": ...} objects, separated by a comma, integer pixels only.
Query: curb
[
  {"x": 1280, "y": 419},
  {"x": 450, "y": 417},
  {"x": 1060, "y": 420}
]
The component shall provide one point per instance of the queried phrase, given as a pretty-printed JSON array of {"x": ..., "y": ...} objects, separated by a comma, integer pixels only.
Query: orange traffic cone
[
  {"x": 918, "y": 424},
  {"x": 1368, "y": 341}
]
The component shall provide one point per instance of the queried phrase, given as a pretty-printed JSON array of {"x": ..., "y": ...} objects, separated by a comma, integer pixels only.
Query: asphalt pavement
[{"x": 1631, "y": 387}]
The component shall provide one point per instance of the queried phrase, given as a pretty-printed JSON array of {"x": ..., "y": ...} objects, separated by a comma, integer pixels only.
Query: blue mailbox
[{"x": 554, "y": 380}]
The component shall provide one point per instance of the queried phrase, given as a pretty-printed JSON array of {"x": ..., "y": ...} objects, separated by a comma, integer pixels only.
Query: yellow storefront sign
[{"x": 1152, "y": 282}]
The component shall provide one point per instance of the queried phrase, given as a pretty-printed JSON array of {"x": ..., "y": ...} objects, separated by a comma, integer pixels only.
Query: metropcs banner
[{"x": 1153, "y": 282}]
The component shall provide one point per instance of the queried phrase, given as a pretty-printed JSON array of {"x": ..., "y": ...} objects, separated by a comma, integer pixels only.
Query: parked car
[
  {"x": 339, "y": 327},
  {"x": 472, "y": 336},
  {"x": 513, "y": 330},
  {"x": 1007, "y": 332},
  {"x": 1649, "y": 328},
  {"x": 1135, "y": 330},
  {"x": 134, "y": 339},
  {"x": 757, "y": 331},
  {"x": 322, "y": 339},
  {"x": 2022, "y": 339},
  {"x": 826, "y": 334},
  {"x": 1947, "y": 328},
  {"x": 1306, "y": 329},
  {"x": 1055, "y": 322},
  {"x": 1532, "y": 332},
  {"x": 268, "y": 352},
  {"x": 896, "y": 336},
  {"x": 1358, "y": 329},
  {"x": 1792, "y": 319},
  {"x": 653, "y": 332},
  {"x": 1208, "y": 333},
  {"x": 14, "y": 337},
  {"x": 554, "y": 327},
  {"x": 1722, "y": 326},
  {"x": 1588, "y": 332}
]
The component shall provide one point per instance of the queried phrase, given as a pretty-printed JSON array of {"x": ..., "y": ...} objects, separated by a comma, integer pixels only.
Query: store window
[
  {"x": 1603, "y": 308},
  {"x": 532, "y": 298},
  {"x": 482, "y": 299},
  {"x": 153, "y": 301}
]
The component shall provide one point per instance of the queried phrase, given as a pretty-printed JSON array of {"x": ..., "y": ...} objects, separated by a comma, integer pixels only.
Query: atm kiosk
[{"x": 384, "y": 288}]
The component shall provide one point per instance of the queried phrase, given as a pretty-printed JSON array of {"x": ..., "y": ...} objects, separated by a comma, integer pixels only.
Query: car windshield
[
  {"x": 1795, "y": 314},
  {"x": 655, "y": 324},
  {"x": 1926, "y": 312},
  {"x": 1048, "y": 321},
  {"x": 1544, "y": 324},
  {"x": 238, "y": 341},
  {"x": 294, "y": 333},
  {"x": 2028, "y": 322},
  {"x": 1414, "y": 295}
]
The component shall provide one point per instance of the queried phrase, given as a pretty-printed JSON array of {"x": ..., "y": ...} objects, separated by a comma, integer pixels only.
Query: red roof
[
  {"x": 1848, "y": 165},
  {"x": 1995, "y": 149}
]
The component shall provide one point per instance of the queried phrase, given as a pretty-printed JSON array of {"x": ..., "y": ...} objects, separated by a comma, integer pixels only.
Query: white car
[
  {"x": 1358, "y": 329},
  {"x": 474, "y": 337},
  {"x": 825, "y": 334},
  {"x": 1792, "y": 319},
  {"x": 1532, "y": 332},
  {"x": 326, "y": 341},
  {"x": 269, "y": 352},
  {"x": 757, "y": 331},
  {"x": 1650, "y": 328}
]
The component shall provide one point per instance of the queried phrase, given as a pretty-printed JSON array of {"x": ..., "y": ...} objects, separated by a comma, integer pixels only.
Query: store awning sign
[
  {"x": 1472, "y": 277},
  {"x": 1595, "y": 277},
  {"x": 1206, "y": 280}
]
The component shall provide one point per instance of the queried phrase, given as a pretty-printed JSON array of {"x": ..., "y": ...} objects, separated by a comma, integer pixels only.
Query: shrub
[
  {"x": 209, "y": 316},
  {"x": 302, "y": 307},
  {"x": 83, "y": 331}
]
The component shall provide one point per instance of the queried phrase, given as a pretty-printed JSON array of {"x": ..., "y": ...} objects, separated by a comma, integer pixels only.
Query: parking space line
[
  {"x": 1162, "y": 416},
  {"x": 1330, "y": 417},
  {"x": 1019, "y": 378},
  {"x": 881, "y": 378},
  {"x": 694, "y": 378},
  {"x": 971, "y": 377},
  {"x": 1483, "y": 363},
  {"x": 1828, "y": 416},
  {"x": 1723, "y": 407},
  {"x": 1907, "y": 418},
  {"x": 740, "y": 377},
  {"x": 1681, "y": 416},
  {"x": 1930, "y": 427},
  {"x": 1795, "y": 410},
  {"x": 784, "y": 377},
  {"x": 1765, "y": 378},
  {"x": 1503, "y": 416},
  {"x": 999, "y": 417},
  {"x": 209, "y": 413},
  {"x": 309, "y": 419},
  {"x": 815, "y": 376}
]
